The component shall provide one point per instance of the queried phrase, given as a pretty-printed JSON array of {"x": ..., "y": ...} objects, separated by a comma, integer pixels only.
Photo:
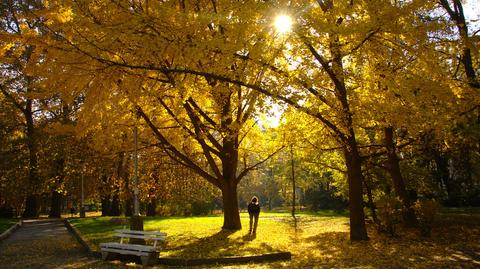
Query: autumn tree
[
  {"x": 213, "y": 116},
  {"x": 18, "y": 86},
  {"x": 466, "y": 45}
]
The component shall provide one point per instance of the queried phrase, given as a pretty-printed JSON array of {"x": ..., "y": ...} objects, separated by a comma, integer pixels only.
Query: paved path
[{"x": 42, "y": 244}]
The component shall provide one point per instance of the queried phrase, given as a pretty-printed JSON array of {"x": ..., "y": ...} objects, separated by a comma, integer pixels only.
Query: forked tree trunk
[
  {"x": 231, "y": 215},
  {"x": 358, "y": 230},
  {"x": 397, "y": 178}
]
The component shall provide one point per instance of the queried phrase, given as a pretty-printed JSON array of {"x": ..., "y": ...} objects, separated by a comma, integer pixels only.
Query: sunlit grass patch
[
  {"x": 316, "y": 240},
  {"x": 202, "y": 237}
]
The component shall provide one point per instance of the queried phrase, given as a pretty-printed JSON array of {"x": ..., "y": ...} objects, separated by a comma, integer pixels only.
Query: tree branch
[
  {"x": 250, "y": 168},
  {"x": 173, "y": 151}
]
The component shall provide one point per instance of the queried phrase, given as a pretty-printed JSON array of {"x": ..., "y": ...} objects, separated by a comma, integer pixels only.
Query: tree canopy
[{"x": 361, "y": 85}]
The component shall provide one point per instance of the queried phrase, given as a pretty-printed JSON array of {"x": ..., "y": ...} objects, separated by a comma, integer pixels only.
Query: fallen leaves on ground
[{"x": 317, "y": 242}]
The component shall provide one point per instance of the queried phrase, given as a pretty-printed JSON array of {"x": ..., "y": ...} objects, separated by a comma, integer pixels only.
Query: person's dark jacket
[{"x": 253, "y": 208}]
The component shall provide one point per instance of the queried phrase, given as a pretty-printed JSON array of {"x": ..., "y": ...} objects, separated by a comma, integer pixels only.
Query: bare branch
[
  {"x": 250, "y": 168},
  {"x": 171, "y": 150}
]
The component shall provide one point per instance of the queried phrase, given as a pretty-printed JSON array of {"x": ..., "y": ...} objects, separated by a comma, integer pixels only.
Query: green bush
[
  {"x": 389, "y": 214},
  {"x": 202, "y": 208},
  {"x": 426, "y": 211}
]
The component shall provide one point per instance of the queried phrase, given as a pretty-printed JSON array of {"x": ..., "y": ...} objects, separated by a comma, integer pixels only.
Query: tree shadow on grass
[
  {"x": 220, "y": 244},
  {"x": 334, "y": 249}
]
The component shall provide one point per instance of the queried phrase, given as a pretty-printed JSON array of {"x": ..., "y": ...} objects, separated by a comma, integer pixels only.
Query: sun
[{"x": 283, "y": 24}]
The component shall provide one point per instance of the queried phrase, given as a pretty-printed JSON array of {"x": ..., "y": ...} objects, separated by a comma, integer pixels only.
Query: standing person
[{"x": 254, "y": 212}]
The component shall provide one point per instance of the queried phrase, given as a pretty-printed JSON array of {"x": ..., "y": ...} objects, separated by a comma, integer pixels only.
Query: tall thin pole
[
  {"x": 293, "y": 183},
  {"x": 82, "y": 200},
  {"x": 136, "y": 207}
]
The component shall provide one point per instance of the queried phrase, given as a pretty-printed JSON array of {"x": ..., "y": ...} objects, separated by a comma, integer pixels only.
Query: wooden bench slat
[
  {"x": 146, "y": 252},
  {"x": 115, "y": 245},
  {"x": 140, "y": 232},
  {"x": 140, "y": 237},
  {"x": 129, "y": 252}
]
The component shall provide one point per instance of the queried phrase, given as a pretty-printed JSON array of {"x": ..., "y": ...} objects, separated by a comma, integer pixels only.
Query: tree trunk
[
  {"x": 442, "y": 175},
  {"x": 32, "y": 203},
  {"x": 397, "y": 178},
  {"x": 128, "y": 207},
  {"x": 466, "y": 42},
  {"x": 32, "y": 206},
  {"x": 358, "y": 230},
  {"x": 56, "y": 201},
  {"x": 115, "y": 206},
  {"x": 231, "y": 215},
  {"x": 56, "y": 205},
  {"x": 371, "y": 204},
  {"x": 106, "y": 206},
  {"x": 152, "y": 208}
]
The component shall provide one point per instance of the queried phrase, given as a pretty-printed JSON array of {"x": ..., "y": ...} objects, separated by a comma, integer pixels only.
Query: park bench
[{"x": 148, "y": 253}]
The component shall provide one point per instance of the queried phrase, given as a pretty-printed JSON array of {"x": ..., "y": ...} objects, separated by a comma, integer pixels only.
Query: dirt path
[{"x": 42, "y": 244}]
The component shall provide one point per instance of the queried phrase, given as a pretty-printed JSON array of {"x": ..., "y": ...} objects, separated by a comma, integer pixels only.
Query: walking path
[{"x": 42, "y": 244}]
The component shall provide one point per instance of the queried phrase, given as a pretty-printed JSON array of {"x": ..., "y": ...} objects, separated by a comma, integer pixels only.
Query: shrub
[
  {"x": 389, "y": 214},
  {"x": 6, "y": 212},
  {"x": 426, "y": 211},
  {"x": 202, "y": 208}
]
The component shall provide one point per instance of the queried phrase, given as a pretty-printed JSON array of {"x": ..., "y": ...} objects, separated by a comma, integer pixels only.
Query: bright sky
[
  {"x": 283, "y": 23},
  {"x": 471, "y": 9}
]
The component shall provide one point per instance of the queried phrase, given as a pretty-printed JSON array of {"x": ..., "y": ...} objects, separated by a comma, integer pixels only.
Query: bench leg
[
  {"x": 151, "y": 259},
  {"x": 108, "y": 255}
]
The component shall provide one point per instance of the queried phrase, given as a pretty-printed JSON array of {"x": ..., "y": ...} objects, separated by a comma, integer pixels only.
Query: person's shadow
[{"x": 249, "y": 237}]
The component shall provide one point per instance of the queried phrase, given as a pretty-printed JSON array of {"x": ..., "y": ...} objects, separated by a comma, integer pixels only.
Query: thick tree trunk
[
  {"x": 106, "y": 206},
  {"x": 231, "y": 215},
  {"x": 442, "y": 175},
  {"x": 56, "y": 205},
  {"x": 115, "y": 206},
  {"x": 397, "y": 178},
  {"x": 152, "y": 208},
  {"x": 358, "y": 230},
  {"x": 32, "y": 206},
  {"x": 56, "y": 199},
  {"x": 128, "y": 207},
  {"x": 32, "y": 203}
]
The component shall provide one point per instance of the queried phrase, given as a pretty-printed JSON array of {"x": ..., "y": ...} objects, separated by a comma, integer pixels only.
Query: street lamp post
[
  {"x": 136, "y": 221},
  {"x": 136, "y": 208},
  {"x": 82, "y": 197}
]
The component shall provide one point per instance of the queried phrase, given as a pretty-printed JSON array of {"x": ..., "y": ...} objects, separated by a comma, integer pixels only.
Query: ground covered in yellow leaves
[{"x": 315, "y": 240}]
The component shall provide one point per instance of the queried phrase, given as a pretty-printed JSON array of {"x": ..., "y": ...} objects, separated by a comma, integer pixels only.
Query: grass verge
[{"x": 5, "y": 224}]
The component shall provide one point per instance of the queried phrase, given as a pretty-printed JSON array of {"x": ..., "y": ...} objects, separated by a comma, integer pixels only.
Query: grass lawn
[
  {"x": 6, "y": 223},
  {"x": 319, "y": 240}
]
